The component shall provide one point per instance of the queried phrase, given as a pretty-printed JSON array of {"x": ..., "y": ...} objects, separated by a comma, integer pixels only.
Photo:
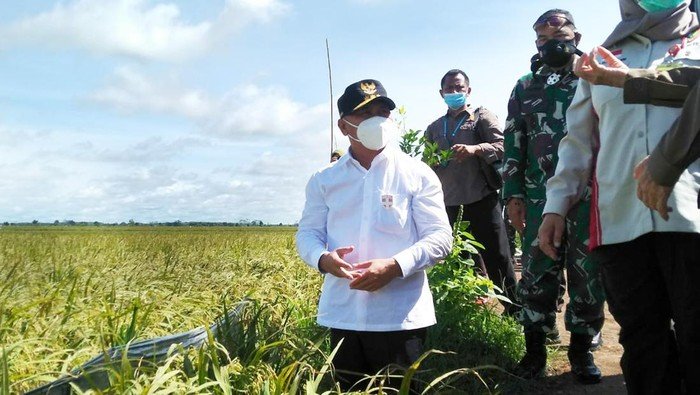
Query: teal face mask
[
  {"x": 658, "y": 5},
  {"x": 455, "y": 100}
]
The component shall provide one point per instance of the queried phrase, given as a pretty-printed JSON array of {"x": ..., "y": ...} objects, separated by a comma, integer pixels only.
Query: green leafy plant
[
  {"x": 434, "y": 156},
  {"x": 414, "y": 143}
]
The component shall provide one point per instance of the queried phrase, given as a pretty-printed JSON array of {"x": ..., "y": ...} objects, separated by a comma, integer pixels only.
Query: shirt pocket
[
  {"x": 533, "y": 107},
  {"x": 392, "y": 212},
  {"x": 534, "y": 102}
]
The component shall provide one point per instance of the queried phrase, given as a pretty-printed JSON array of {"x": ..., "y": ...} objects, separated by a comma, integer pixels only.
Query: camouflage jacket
[{"x": 536, "y": 123}]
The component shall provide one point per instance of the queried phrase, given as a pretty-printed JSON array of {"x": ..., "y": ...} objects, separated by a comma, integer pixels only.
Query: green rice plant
[
  {"x": 76, "y": 292},
  {"x": 4, "y": 373}
]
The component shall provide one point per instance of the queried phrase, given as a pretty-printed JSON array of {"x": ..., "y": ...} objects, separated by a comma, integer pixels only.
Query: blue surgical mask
[
  {"x": 658, "y": 5},
  {"x": 455, "y": 100}
]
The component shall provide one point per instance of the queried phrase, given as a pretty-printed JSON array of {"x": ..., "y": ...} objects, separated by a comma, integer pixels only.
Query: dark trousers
[
  {"x": 487, "y": 226},
  {"x": 367, "y": 353},
  {"x": 650, "y": 281}
]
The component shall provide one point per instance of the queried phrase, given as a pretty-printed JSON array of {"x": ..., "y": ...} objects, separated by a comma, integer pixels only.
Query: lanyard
[{"x": 454, "y": 132}]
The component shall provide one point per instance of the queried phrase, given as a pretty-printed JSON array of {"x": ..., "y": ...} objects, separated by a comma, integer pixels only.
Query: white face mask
[{"x": 374, "y": 133}]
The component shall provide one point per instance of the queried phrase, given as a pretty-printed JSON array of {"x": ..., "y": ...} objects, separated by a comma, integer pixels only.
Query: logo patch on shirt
[
  {"x": 387, "y": 201},
  {"x": 618, "y": 54}
]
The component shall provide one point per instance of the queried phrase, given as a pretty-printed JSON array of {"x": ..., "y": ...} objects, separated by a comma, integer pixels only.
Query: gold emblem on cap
[{"x": 369, "y": 89}]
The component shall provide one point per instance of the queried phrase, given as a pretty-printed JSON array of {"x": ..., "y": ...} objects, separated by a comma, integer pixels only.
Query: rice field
[{"x": 68, "y": 294}]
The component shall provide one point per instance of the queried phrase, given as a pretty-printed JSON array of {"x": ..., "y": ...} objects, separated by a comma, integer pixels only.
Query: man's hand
[
  {"x": 550, "y": 234},
  {"x": 375, "y": 274},
  {"x": 516, "y": 214},
  {"x": 653, "y": 195},
  {"x": 612, "y": 74},
  {"x": 462, "y": 151},
  {"x": 334, "y": 264}
]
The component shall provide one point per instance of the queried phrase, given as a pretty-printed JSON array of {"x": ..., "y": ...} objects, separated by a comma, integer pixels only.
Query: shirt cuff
[
  {"x": 513, "y": 188},
  {"x": 406, "y": 262},
  {"x": 487, "y": 153},
  {"x": 636, "y": 90},
  {"x": 318, "y": 254},
  {"x": 556, "y": 206},
  {"x": 509, "y": 196},
  {"x": 661, "y": 171},
  {"x": 642, "y": 88}
]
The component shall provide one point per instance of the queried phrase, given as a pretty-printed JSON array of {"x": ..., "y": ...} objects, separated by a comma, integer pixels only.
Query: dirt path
[{"x": 559, "y": 379}]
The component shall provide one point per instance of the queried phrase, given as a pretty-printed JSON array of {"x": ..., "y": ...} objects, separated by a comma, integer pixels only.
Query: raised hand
[{"x": 613, "y": 73}]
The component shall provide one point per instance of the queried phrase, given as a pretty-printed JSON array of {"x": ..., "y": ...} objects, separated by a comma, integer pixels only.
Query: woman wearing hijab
[{"x": 650, "y": 265}]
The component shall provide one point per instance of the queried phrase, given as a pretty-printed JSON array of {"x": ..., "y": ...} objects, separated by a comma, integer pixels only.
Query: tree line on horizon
[{"x": 131, "y": 222}]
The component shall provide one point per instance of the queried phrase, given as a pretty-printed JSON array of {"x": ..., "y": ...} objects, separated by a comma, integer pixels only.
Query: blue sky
[{"x": 113, "y": 110}]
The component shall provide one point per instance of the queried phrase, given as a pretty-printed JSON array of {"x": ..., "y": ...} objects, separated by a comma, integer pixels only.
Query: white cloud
[
  {"x": 131, "y": 91},
  {"x": 252, "y": 110},
  {"x": 147, "y": 150},
  {"x": 373, "y": 2},
  {"x": 62, "y": 175},
  {"x": 135, "y": 28},
  {"x": 90, "y": 192},
  {"x": 247, "y": 111},
  {"x": 13, "y": 138}
]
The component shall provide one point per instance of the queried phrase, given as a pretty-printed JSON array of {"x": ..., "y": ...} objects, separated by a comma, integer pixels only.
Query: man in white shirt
[{"x": 373, "y": 222}]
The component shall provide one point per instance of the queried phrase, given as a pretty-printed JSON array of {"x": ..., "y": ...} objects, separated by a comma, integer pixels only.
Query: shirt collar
[
  {"x": 546, "y": 71},
  {"x": 387, "y": 152},
  {"x": 469, "y": 110}
]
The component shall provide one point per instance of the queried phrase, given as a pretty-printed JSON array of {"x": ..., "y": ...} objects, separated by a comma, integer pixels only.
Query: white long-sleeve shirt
[
  {"x": 393, "y": 210},
  {"x": 625, "y": 134}
]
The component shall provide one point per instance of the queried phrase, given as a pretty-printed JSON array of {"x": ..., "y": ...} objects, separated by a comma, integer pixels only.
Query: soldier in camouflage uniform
[{"x": 535, "y": 125}]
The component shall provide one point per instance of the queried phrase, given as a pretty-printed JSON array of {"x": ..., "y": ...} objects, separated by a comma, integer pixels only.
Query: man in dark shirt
[{"x": 476, "y": 140}]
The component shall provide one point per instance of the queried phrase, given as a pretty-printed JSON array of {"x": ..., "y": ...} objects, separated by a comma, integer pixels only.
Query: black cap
[
  {"x": 555, "y": 12},
  {"x": 360, "y": 94}
]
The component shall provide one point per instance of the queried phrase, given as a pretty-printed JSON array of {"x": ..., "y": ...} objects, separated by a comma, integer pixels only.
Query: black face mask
[{"x": 555, "y": 53}]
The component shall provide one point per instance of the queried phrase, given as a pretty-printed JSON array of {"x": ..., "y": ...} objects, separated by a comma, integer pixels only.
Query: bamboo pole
[{"x": 330, "y": 88}]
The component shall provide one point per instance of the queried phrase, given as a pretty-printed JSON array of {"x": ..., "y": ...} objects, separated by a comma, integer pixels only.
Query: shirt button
[{"x": 640, "y": 134}]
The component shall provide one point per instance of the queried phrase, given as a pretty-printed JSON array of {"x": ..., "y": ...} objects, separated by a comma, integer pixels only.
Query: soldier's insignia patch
[{"x": 553, "y": 79}]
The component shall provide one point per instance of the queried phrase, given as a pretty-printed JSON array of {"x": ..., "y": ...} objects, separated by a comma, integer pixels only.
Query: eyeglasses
[{"x": 552, "y": 20}]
